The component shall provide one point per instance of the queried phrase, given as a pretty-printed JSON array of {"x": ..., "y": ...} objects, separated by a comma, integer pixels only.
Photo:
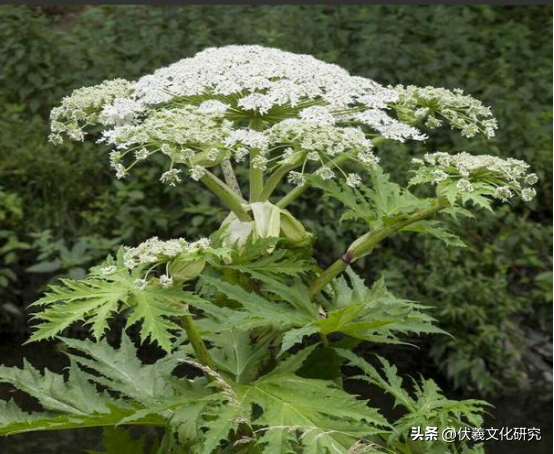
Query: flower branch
[
  {"x": 226, "y": 195},
  {"x": 366, "y": 243}
]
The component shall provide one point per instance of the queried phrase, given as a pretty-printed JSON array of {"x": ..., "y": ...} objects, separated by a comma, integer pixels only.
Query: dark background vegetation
[{"x": 61, "y": 210}]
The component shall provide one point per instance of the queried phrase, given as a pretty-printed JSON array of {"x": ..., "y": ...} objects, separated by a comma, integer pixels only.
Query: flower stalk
[
  {"x": 200, "y": 350},
  {"x": 275, "y": 178},
  {"x": 226, "y": 195}
]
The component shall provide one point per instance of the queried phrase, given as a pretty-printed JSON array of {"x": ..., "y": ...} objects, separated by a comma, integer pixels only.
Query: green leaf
[
  {"x": 279, "y": 263},
  {"x": 236, "y": 354},
  {"x": 436, "y": 229},
  {"x": 309, "y": 412},
  {"x": 295, "y": 336},
  {"x": 74, "y": 396},
  {"x": 373, "y": 314},
  {"x": 293, "y": 292},
  {"x": 10, "y": 413},
  {"x": 428, "y": 407},
  {"x": 121, "y": 371},
  {"x": 43, "y": 421},
  {"x": 224, "y": 419},
  {"x": 89, "y": 300},
  {"x": 382, "y": 203},
  {"x": 145, "y": 392},
  {"x": 292, "y": 363},
  {"x": 154, "y": 308},
  {"x": 391, "y": 383},
  {"x": 95, "y": 299},
  {"x": 259, "y": 310}
]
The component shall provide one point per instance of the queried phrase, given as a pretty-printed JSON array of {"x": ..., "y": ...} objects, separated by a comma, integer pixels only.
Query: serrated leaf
[
  {"x": 121, "y": 371},
  {"x": 378, "y": 205},
  {"x": 154, "y": 308},
  {"x": 428, "y": 406},
  {"x": 90, "y": 300},
  {"x": 10, "y": 413},
  {"x": 256, "y": 307},
  {"x": 95, "y": 299},
  {"x": 44, "y": 421},
  {"x": 75, "y": 396},
  {"x": 224, "y": 419},
  {"x": 291, "y": 363},
  {"x": 373, "y": 314},
  {"x": 295, "y": 336},
  {"x": 236, "y": 354},
  {"x": 305, "y": 411},
  {"x": 278, "y": 263},
  {"x": 436, "y": 229},
  {"x": 391, "y": 383}
]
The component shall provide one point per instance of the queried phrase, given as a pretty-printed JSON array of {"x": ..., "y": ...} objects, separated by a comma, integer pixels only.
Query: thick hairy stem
[
  {"x": 200, "y": 349},
  {"x": 226, "y": 195},
  {"x": 230, "y": 177},
  {"x": 366, "y": 243},
  {"x": 327, "y": 276}
]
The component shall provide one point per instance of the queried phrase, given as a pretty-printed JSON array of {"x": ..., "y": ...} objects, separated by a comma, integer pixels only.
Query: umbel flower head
[
  {"x": 467, "y": 174},
  {"x": 274, "y": 107}
]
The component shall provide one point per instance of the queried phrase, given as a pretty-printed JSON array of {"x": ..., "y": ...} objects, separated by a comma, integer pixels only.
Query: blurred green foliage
[{"x": 61, "y": 210}]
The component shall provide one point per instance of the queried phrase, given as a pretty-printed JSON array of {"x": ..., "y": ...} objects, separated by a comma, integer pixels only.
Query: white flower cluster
[
  {"x": 155, "y": 250},
  {"x": 321, "y": 142},
  {"x": 276, "y": 106},
  {"x": 319, "y": 137},
  {"x": 462, "y": 112},
  {"x": 171, "y": 131},
  {"x": 388, "y": 127},
  {"x": 121, "y": 111},
  {"x": 505, "y": 177},
  {"x": 264, "y": 77},
  {"x": 85, "y": 106}
]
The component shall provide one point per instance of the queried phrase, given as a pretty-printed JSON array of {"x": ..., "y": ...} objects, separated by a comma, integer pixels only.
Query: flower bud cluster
[{"x": 155, "y": 250}]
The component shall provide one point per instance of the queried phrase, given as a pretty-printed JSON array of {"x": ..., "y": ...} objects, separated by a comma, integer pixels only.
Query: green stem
[
  {"x": 200, "y": 349},
  {"x": 327, "y": 276},
  {"x": 292, "y": 195},
  {"x": 275, "y": 179},
  {"x": 324, "y": 340},
  {"x": 366, "y": 243},
  {"x": 226, "y": 195}
]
